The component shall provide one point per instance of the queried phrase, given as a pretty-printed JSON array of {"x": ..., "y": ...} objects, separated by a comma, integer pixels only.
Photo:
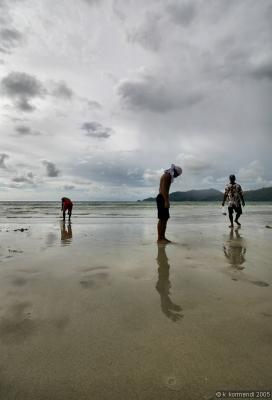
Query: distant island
[{"x": 264, "y": 194}]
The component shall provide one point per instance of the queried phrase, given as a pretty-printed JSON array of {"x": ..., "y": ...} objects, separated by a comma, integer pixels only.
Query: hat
[{"x": 174, "y": 168}]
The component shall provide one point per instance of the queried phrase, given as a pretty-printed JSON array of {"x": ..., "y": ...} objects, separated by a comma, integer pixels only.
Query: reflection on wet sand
[
  {"x": 66, "y": 233},
  {"x": 18, "y": 323},
  {"x": 51, "y": 239},
  {"x": 235, "y": 249},
  {"x": 171, "y": 310}
]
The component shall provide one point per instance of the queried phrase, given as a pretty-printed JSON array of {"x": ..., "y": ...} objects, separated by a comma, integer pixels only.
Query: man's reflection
[
  {"x": 163, "y": 286},
  {"x": 66, "y": 233},
  {"x": 235, "y": 250}
]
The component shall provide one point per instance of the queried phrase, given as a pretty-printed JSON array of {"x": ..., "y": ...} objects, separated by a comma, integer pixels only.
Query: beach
[{"x": 96, "y": 309}]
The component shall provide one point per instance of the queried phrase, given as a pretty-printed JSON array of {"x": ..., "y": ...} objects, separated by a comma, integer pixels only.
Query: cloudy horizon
[{"x": 98, "y": 97}]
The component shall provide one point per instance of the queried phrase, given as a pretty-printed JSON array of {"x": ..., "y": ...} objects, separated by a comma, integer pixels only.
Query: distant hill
[
  {"x": 264, "y": 194},
  {"x": 197, "y": 195}
]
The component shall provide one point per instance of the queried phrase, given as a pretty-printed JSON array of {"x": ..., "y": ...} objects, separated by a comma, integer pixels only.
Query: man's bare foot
[
  {"x": 168, "y": 241},
  {"x": 163, "y": 241},
  {"x": 238, "y": 223},
  {"x": 231, "y": 226}
]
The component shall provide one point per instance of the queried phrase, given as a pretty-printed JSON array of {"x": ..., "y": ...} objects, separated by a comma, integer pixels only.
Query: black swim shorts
[
  {"x": 163, "y": 213},
  {"x": 237, "y": 209}
]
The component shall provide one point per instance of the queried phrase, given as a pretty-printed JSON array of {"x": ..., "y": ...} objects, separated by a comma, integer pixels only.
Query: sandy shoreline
[{"x": 98, "y": 311}]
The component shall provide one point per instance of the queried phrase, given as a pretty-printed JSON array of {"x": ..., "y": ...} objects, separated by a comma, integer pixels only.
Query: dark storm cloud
[
  {"x": 118, "y": 10},
  {"x": 112, "y": 170},
  {"x": 231, "y": 60},
  {"x": 21, "y": 84},
  {"x": 181, "y": 13},
  {"x": 68, "y": 187},
  {"x": 93, "y": 2},
  {"x": 23, "y": 130},
  {"x": 28, "y": 178},
  {"x": 156, "y": 96},
  {"x": 263, "y": 71},
  {"x": 22, "y": 88},
  {"x": 3, "y": 157},
  {"x": 219, "y": 66},
  {"x": 148, "y": 34},
  {"x": 5, "y": 17},
  {"x": 51, "y": 169},
  {"x": 61, "y": 90},
  {"x": 9, "y": 39},
  {"x": 96, "y": 130},
  {"x": 196, "y": 164},
  {"x": 94, "y": 104},
  {"x": 24, "y": 105}
]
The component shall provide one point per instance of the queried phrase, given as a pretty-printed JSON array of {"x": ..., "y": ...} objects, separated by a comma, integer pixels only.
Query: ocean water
[{"x": 187, "y": 212}]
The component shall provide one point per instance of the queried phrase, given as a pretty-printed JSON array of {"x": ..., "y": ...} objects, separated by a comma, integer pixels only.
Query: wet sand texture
[{"x": 97, "y": 310}]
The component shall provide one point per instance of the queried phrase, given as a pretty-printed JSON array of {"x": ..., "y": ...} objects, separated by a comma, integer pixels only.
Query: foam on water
[{"x": 185, "y": 211}]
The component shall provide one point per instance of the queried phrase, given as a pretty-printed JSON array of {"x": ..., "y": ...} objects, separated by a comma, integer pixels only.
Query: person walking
[{"x": 234, "y": 195}]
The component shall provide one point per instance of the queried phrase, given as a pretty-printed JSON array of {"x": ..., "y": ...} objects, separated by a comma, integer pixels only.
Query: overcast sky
[{"x": 97, "y": 97}]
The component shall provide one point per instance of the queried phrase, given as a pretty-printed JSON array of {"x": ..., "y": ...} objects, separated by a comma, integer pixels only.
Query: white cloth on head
[{"x": 172, "y": 170}]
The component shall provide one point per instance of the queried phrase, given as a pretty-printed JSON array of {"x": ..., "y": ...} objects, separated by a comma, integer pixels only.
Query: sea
[{"x": 84, "y": 211}]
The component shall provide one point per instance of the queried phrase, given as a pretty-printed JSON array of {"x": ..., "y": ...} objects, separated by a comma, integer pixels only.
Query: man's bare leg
[
  {"x": 164, "y": 229},
  {"x": 70, "y": 212},
  {"x": 159, "y": 227},
  {"x": 161, "y": 231},
  {"x": 63, "y": 215},
  {"x": 231, "y": 219},
  {"x": 236, "y": 219}
]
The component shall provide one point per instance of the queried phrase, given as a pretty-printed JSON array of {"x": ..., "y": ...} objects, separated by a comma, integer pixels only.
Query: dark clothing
[
  {"x": 163, "y": 212},
  {"x": 67, "y": 206},
  {"x": 237, "y": 209}
]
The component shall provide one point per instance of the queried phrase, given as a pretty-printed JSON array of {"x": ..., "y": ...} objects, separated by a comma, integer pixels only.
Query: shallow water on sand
[{"x": 96, "y": 309}]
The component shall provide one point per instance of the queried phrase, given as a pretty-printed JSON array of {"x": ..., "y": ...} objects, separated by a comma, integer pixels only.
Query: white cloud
[
  {"x": 253, "y": 171},
  {"x": 195, "y": 163},
  {"x": 151, "y": 176}
]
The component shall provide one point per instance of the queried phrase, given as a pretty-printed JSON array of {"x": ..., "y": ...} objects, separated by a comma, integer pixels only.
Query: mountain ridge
[{"x": 263, "y": 194}]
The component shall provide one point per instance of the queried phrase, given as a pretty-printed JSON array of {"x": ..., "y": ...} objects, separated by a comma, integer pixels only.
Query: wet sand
[{"x": 97, "y": 310}]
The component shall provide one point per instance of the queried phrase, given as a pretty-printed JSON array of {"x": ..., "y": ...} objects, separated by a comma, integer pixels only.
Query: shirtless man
[
  {"x": 162, "y": 199},
  {"x": 66, "y": 204},
  {"x": 234, "y": 195}
]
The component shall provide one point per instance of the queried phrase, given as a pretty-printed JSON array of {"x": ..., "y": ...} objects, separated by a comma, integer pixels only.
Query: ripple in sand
[{"x": 260, "y": 283}]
